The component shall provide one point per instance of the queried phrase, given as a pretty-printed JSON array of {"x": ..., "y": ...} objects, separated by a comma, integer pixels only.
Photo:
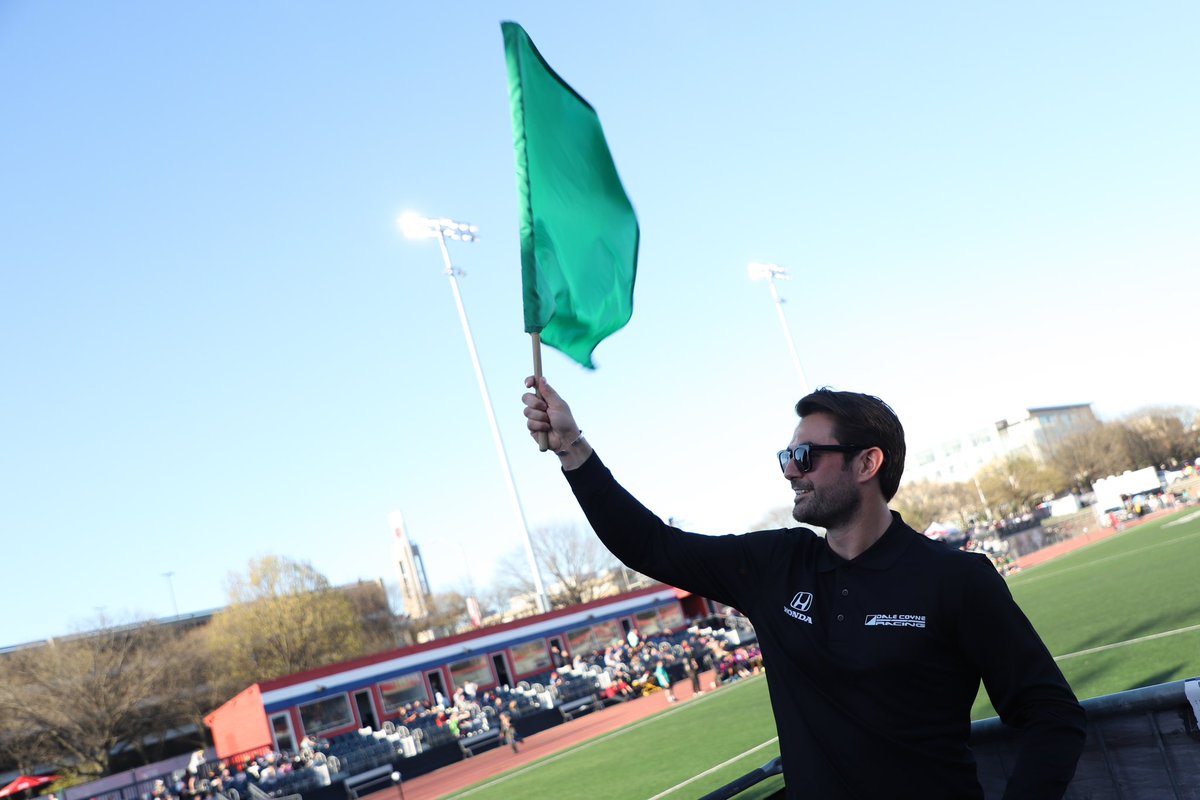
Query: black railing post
[{"x": 772, "y": 767}]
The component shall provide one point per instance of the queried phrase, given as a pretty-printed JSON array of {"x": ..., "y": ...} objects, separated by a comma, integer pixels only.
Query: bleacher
[
  {"x": 437, "y": 736},
  {"x": 579, "y": 691},
  {"x": 483, "y": 733},
  {"x": 574, "y": 691},
  {"x": 367, "y": 749}
]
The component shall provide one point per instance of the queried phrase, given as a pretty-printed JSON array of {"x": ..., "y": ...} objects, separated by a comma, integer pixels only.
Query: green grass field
[
  {"x": 651, "y": 756},
  {"x": 1138, "y": 584}
]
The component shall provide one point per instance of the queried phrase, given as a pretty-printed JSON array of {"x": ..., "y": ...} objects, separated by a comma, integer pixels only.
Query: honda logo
[{"x": 802, "y": 601}]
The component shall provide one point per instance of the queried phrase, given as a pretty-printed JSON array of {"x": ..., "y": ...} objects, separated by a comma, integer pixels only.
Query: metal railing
[{"x": 1143, "y": 744}]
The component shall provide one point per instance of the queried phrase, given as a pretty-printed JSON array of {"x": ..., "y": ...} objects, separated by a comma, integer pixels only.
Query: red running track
[
  {"x": 455, "y": 777},
  {"x": 1084, "y": 539}
]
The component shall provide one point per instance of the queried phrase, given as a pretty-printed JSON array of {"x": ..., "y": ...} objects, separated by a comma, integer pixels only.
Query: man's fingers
[
  {"x": 544, "y": 389},
  {"x": 540, "y": 419},
  {"x": 536, "y": 414},
  {"x": 545, "y": 398}
]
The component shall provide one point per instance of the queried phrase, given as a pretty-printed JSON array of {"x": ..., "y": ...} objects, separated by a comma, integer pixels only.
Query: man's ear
[{"x": 870, "y": 464}]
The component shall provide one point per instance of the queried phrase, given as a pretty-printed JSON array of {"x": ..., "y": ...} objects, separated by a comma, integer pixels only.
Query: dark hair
[{"x": 865, "y": 420}]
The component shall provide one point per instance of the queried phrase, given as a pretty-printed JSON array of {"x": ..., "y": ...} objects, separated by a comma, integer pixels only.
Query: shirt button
[
  {"x": 845, "y": 592},
  {"x": 841, "y": 617}
]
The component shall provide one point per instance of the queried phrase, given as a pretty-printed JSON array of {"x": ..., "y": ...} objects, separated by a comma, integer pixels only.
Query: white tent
[{"x": 937, "y": 530}]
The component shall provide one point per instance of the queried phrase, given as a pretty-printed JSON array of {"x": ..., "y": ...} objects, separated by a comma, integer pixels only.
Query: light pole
[
  {"x": 171, "y": 588},
  {"x": 415, "y": 226},
  {"x": 987, "y": 509},
  {"x": 770, "y": 272}
]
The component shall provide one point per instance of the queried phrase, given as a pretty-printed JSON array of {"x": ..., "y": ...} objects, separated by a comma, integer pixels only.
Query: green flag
[{"x": 579, "y": 235}]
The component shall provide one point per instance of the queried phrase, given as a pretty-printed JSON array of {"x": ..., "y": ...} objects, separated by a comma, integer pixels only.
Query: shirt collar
[{"x": 879, "y": 556}]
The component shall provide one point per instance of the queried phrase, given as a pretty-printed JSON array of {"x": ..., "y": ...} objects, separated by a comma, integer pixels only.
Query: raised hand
[{"x": 547, "y": 412}]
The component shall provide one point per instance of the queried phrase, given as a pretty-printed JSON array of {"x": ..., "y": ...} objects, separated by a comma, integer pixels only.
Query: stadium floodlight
[
  {"x": 770, "y": 273},
  {"x": 758, "y": 271},
  {"x": 415, "y": 226}
]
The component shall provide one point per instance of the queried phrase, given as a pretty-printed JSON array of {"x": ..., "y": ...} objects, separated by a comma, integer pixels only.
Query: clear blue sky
[{"x": 216, "y": 345}]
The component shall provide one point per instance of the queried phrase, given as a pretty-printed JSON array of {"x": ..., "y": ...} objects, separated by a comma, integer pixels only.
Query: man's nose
[{"x": 791, "y": 470}]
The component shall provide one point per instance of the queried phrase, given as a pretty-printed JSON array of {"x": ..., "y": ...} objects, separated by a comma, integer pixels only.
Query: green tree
[
  {"x": 377, "y": 625},
  {"x": 1017, "y": 483},
  {"x": 283, "y": 617},
  {"x": 925, "y": 502}
]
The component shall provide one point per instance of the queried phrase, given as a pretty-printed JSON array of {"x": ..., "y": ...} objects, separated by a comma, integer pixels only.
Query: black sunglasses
[{"x": 803, "y": 453}]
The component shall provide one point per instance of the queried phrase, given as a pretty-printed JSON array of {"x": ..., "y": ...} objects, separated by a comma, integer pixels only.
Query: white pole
[
  {"x": 542, "y": 600},
  {"x": 787, "y": 333},
  {"x": 982, "y": 499},
  {"x": 171, "y": 586}
]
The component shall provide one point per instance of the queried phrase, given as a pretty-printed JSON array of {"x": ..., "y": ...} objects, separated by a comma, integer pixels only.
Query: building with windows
[
  {"x": 1032, "y": 433},
  {"x": 369, "y": 691},
  {"x": 410, "y": 569}
]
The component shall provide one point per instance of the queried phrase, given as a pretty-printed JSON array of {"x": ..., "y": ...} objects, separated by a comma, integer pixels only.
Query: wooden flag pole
[{"x": 543, "y": 437}]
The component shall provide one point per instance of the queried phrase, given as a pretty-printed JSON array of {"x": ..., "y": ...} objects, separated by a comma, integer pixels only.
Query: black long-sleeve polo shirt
[{"x": 872, "y": 664}]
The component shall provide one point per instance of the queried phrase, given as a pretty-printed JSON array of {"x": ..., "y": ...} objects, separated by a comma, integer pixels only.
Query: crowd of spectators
[
  {"x": 1139, "y": 505},
  {"x": 1005, "y": 541},
  {"x": 621, "y": 671},
  {"x": 997, "y": 549},
  {"x": 204, "y": 780},
  {"x": 468, "y": 711},
  {"x": 640, "y": 667}
]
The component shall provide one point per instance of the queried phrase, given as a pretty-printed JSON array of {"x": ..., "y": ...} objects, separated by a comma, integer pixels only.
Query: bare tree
[
  {"x": 1162, "y": 436},
  {"x": 447, "y": 616},
  {"x": 72, "y": 702},
  {"x": 1086, "y": 457},
  {"x": 573, "y": 561},
  {"x": 494, "y": 598},
  {"x": 197, "y": 683},
  {"x": 780, "y": 517},
  {"x": 1156, "y": 436}
]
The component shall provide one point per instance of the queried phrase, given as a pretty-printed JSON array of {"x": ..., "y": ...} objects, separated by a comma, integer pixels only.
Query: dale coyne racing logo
[{"x": 895, "y": 620}]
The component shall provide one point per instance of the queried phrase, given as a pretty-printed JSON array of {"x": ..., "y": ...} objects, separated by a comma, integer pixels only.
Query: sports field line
[
  {"x": 722, "y": 765},
  {"x": 551, "y": 759},
  {"x": 1127, "y": 642},
  {"x": 1185, "y": 518},
  {"x": 1126, "y": 554}
]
